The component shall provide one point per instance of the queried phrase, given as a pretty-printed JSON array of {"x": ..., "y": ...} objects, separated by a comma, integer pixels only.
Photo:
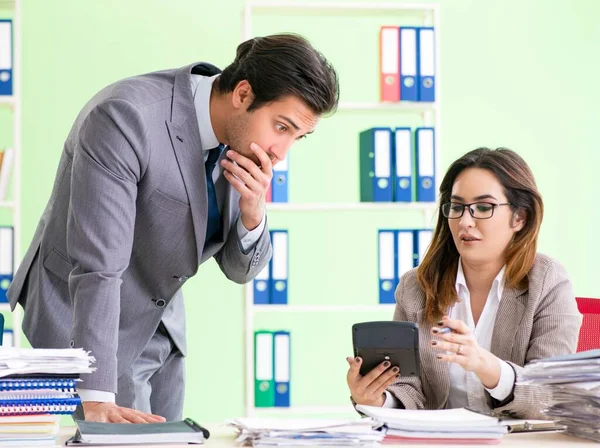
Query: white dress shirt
[
  {"x": 466, "y": 390},
  {"x": 201, "y": 87}
]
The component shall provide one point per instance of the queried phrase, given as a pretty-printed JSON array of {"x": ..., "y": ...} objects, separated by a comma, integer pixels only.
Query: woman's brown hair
[{"x": 437, "y": 272}]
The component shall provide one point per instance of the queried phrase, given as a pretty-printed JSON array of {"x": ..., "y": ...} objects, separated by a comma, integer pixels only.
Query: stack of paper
[
  {"x": 439, "y": 426},
  {"x": 18, "y": 361},
  {"x": 307, "y": 432},
  {"x": 37, "y": 385},
  {"x": 573, "y": 385}
]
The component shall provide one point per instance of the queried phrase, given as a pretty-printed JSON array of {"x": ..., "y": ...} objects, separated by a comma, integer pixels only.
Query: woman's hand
[
  {"x": 369, "y": 389},
  {"x": 459, "y": 346}
]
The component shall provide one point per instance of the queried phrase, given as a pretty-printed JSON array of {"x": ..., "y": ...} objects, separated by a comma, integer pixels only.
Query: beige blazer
[{"x": 539, "y": 321}]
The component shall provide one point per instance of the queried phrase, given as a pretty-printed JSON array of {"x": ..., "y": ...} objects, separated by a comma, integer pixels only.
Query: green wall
[{"x": 520, "y": 74}]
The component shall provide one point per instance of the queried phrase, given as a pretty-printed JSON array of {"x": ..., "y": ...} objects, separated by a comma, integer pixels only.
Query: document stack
[
  {"x": 572, "y": 384},
  {"x": 261, "y": 432},
  {"x": 446, "y": 426},
  {"x": 36, "y": 387}
]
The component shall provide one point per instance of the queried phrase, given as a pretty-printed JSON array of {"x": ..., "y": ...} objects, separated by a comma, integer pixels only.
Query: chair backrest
[{"x": 589, "y": 334}]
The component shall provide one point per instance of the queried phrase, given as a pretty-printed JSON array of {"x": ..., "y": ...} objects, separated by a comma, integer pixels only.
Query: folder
[
  {"x": 422, "y": 241},
  {"x": 387, "y": 266},
  {"x": 282, "y": 368},
  {"x": 280, "y": 181},
  {"x": 6, "y": 57},
  {"x": 408, "y": 64},
  {"x": 405, "y": 244},
  {"x": 279, "y": 267},
  {"x": 8, "y": 338},
  {"x": 262, "y": 286},
  {"x": 264, "y": 386},
  {"x": 376, "y": 165},
  {"x": 425, "y": 151},
  {"x": 389, "y": 52},
  {"x": 6, "y": 261},
  {"x": 403, "y": 161},
  {"x": 426, "y": 54}
]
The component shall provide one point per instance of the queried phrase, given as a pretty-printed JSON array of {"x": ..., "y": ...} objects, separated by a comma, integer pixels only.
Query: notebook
[
  {"x": 38, "y": 405},
  {"x": 94, "y": 433}
]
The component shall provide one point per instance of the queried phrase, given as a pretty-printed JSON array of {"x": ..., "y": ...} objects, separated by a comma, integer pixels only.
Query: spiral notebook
[
  {"x": 39, "y": 405},
  {"x": 63, "y": 384}
]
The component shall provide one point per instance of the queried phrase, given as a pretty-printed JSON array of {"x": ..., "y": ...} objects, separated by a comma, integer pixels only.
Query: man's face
[{"x": 275, "y": 127}]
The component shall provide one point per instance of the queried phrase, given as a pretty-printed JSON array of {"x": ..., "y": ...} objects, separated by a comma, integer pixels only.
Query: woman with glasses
[{"x": 486, "y": 302}]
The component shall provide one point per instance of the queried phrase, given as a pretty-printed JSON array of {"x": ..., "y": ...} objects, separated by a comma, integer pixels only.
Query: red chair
[{"x": 589, "y": 334}]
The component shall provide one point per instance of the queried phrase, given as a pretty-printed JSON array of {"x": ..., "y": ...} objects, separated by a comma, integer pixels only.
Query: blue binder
[
  {"x": 282, "y": 369},
  {"x": 426, "y": 55},
  {"x": 387, "y": 266},
  {"x": 279, "y": 267},
  {"x": 409, "y": 69},
  {"x": 6, "y": 57},
  {"x": 280, "y": 182},
  {"x": 405, "y": 244},
  {"x": 6, "y": 261},
  {"x": 262, "y": 286},
  {"x": 376, "y": 156},
  {"x": 425, "y": 155},
  {"x": 422, "y": 240},
  {"x": 403, "y": 162}
]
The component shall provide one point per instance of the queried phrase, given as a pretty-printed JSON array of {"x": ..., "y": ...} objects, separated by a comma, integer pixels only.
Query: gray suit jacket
[
  {"x": 533, "y": 323},
  {"x": 125, "y": 227}
]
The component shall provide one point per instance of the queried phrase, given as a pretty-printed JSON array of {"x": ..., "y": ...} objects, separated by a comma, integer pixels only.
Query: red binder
[{"x": 389, "y": 69}]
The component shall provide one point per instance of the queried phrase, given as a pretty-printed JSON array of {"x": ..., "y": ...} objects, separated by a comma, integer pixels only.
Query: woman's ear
[{"x": 519, "y": 219}]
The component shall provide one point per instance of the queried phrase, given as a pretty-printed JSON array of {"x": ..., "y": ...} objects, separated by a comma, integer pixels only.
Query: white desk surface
[{"x": 222, "y": 436}]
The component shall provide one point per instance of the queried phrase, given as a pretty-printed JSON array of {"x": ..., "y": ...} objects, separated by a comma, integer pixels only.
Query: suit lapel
[
  {"x": 185, "y": 138},
  {"x": 508, "y": 319}
]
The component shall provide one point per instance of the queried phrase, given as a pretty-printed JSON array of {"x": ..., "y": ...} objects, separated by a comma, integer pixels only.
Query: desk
[{"x": 222, "y": 436}]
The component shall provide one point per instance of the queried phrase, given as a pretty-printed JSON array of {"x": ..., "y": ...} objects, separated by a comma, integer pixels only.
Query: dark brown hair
[
  {"x": 283, "y": 65},
  {"x": 437, "y": 272}
]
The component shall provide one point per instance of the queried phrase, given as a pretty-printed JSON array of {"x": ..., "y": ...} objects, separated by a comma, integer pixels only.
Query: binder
[
  {"x": 422, "y": 241},
  {"x": 5, "y": 170},
  {"x": 6, "y": 261},
  {"x": 6, "y": 57},
  {"x": 376, "y": 165},
  {"x": 280, "y": 181},
  {"x": 282, "y": 368},
  {"x": 389, "y": 52},
  {"x": 426, "y": 55},
  {"x": 279, "y": 267},
  {"x": 8, "y": 339},
  {"x": 403, "y": 162},
  {"x": 408, "y": 64},
  {"x": 262, "y": 286},
  {"x": 264, "y": 386},
  {"x": 64, "y": 406},
  {"x": 59, "y": 384},
  {"x": 387, "y": 266},
  {"x": 405, "y": 243},
  {"x": 425, "y": 151}
]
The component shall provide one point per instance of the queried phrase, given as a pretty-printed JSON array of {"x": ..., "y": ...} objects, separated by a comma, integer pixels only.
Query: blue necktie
[{"x": 213, "y": 224}]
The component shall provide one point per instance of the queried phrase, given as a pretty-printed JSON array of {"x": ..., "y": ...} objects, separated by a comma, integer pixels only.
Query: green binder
[{"x": 264, "y": 384}]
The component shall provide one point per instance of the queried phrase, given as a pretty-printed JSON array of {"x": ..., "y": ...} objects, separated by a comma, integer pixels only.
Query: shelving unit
[
  {"x": 13, "y": 204},
  {"x": 430, "y": 116}
]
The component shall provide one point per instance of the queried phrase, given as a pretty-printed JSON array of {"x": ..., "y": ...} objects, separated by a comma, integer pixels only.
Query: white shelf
[
  {"x": 7, "y": 101},
  {"x": 386, "y": 307},
  {"x": 345, "y": 6},
  {"x": 401, "y": 106},
  {"x": 7, "y": 204},
  {"x": 307, "y": 410},
  {"x": 349, "y": 206}
]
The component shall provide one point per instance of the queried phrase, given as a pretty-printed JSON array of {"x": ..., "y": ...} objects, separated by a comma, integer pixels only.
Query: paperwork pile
[
  {"x": 307, "y": 432},
  {"x": 19, "y": 361},
  {"x": 572, "y": 383},
  {"x": 439, "y": 426}
]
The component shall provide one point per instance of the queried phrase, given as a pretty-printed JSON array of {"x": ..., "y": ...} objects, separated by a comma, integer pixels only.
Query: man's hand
[
  {"x": 251, "y": 181},
  {"x": 96, "y": 411}
]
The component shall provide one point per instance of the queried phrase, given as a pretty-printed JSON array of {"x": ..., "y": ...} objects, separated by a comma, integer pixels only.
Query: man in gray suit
[{"x": 159, "y": 173}]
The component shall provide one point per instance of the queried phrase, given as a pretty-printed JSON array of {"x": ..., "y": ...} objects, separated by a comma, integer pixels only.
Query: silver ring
[{"x": 459, "y": 349}]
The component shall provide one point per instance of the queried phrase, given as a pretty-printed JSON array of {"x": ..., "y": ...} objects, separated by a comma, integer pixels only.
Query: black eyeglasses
[{"x": 478, "y": 210}]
